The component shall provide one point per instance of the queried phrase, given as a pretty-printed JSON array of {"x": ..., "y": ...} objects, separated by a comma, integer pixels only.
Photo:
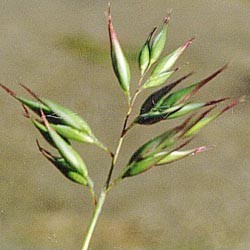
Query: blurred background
[{"x": 60, "y": 49}]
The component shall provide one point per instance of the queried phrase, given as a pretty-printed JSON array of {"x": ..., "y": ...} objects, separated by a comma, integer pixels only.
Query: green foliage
[
  {"x": 65, "y": 168},
  {"x": 167, "y": 62},
  {"x": 158, "y": 42},
  {"x": 69, "y": 155},
  {"x": 119, "y": 61},
  {"x": 67, "y": 116},
  {"x": 159, "y": 150},
  {"x": 59, "y": 126},
  {"x": 161, "y": 105},
  {"x": 144, "y": 55},
  {"x": 157, "y": 80}
]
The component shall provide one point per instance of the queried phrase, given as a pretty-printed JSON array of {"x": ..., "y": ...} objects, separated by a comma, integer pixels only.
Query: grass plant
[{"x": 59, "y": 125}]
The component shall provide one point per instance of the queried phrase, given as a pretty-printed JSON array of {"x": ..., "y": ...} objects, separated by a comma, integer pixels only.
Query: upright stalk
[
  {"x": 108, "y": 186},
  {"x": 123, "y": 133},
  {"x": 94, "y": 220}
]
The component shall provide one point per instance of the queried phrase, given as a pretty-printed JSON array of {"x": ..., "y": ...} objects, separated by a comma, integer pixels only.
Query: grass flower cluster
[{"x": 59, "y": 126}]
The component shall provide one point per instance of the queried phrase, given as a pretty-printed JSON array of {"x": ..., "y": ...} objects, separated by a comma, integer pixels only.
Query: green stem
[
  {"x": 114, "y": 161},
  {"x": 108, "y": 186},
  {"x": 94, "y": 220},
  {"x": 114, "y": 183},
  {"x": 92, "y": 193},
  {"x": 123, "y": 133}
]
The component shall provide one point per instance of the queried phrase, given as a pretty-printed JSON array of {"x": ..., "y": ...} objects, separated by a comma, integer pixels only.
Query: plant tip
[
  {"x": 109, "y": 11},
  {"x": 32, "y": 93},
  {"x": 12, "y": 93},
  {"x": 26, "y": 112},
  {"x": 189, "y": 42},
  {"x": 167, "y": 17},
  {"x": 234, "y": 103},
  {"x": 216, "y": 101},
  {"x": 200, "y": 149}
]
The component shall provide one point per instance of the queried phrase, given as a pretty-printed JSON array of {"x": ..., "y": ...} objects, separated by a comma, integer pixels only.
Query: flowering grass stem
[{"x": 108, "y": 184}]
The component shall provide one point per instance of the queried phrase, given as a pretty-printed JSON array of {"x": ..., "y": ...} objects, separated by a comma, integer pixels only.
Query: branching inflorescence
[{"x": 59, "y": 125}]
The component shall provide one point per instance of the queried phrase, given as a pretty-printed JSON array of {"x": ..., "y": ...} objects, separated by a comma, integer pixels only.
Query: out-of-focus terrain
[{"x": 60, "y": 49}]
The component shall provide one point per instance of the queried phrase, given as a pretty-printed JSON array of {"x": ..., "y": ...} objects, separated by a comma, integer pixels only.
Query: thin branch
[{"x": 125, "y": 129}]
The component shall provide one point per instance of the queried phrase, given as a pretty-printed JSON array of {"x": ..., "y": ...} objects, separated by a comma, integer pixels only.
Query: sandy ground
[{"x": 199, "y": 203}]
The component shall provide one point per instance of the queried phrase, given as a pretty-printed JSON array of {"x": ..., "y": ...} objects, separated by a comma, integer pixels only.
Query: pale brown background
[{"x": 200, "y": 203}]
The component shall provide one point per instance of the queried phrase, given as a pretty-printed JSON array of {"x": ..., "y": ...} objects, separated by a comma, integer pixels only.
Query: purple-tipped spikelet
[
  {"x": 59, "y": 126},
  {"x": 119, "y": 61}
]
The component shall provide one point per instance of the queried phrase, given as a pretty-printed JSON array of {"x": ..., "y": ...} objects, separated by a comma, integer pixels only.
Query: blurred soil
[{"x": 60, "y": 49}]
